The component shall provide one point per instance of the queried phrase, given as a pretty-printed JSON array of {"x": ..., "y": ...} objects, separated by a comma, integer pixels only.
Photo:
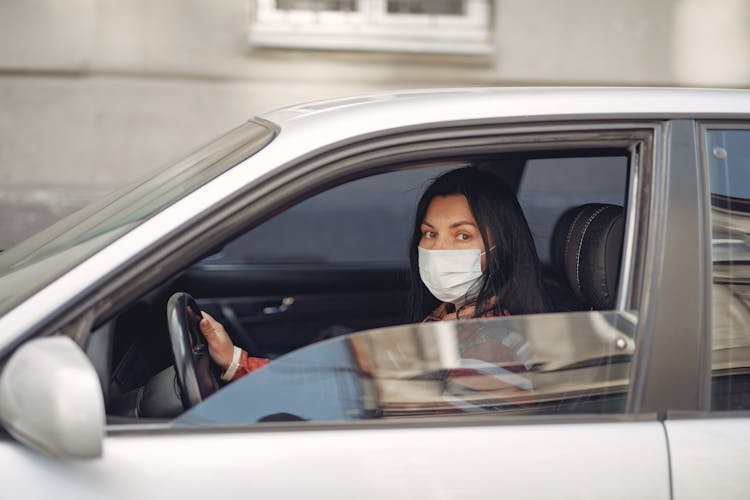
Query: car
[{"x": 292, "y": 230}]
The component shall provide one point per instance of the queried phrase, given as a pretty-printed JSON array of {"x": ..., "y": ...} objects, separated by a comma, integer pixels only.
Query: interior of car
[{"x": 336, "y": 263}]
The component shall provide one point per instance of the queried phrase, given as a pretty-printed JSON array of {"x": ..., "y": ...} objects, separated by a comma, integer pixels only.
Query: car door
[
  {"x": 565, "y": 454},
  {"x": 709, "y": 448},
  {"x": 397, "y": 412}
]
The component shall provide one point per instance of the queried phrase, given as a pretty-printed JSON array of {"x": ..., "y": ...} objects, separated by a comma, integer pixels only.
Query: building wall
[{"x": 94, "y": 93}]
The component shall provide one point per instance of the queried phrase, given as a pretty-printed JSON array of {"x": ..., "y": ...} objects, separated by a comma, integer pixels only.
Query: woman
[{"x": 471, "y": 255}]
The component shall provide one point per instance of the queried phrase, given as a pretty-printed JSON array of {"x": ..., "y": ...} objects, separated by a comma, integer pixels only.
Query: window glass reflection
[
  {"x": 728, "y": 155},
  {"x": 524, "y": 365}
]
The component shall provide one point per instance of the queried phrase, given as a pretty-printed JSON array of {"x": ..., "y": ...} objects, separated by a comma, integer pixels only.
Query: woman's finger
[
  {"x": 219, "y": 344},
  {"x": 211, "y": 328}
]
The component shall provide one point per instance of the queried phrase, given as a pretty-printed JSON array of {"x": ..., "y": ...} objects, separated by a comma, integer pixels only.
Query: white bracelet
[{"x": 232, "y": 369}]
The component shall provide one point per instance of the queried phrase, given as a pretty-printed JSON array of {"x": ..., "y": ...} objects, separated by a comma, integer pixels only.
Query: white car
[{"x": 292, "y": 230}]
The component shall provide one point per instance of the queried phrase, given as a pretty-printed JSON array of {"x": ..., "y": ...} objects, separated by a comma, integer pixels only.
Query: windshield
[
  {"x": 26, "y": 267},
  {"x": 538, "y": 364}
]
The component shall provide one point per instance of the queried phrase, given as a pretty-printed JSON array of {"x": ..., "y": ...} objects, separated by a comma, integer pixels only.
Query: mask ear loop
[{"x": 491, "y": 249}]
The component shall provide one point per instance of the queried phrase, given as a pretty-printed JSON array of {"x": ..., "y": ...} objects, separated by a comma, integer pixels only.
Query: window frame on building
[{"x": 370, "y": 27}]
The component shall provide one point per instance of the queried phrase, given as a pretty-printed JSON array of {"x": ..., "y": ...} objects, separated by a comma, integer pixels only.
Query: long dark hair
[{"x": 513, "y": 272}]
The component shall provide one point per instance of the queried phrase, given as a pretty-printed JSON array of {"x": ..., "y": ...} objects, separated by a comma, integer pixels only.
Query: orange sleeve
[{"x": 248, "y": 364}]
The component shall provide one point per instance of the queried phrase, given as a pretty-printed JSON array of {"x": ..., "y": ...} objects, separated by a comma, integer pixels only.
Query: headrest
[{"x": 586, "y": 249}]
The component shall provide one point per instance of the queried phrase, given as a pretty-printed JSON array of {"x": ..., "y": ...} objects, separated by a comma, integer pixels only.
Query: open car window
[
  {"x": 529, "y": 365},
  {"x": 369, "y": 220}
]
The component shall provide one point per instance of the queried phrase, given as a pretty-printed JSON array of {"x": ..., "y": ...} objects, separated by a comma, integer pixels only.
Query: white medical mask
[{"x": 453, "y": 276}]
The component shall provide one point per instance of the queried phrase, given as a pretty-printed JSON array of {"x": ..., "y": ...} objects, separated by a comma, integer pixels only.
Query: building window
[{"x": 432, "y": 26}]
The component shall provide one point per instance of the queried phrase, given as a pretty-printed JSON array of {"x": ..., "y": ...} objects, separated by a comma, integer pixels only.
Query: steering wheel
[{"x": 192, "y": 360}]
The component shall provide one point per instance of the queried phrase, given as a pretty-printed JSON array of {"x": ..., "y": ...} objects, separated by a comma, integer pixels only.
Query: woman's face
[{"x": 449, "y": 224}]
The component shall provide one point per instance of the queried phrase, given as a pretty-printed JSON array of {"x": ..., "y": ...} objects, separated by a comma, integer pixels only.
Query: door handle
[{"x": 286, "y": 303}]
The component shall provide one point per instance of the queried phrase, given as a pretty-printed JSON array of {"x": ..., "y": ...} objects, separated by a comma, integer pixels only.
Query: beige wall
[{"x": 94, "y": 93}]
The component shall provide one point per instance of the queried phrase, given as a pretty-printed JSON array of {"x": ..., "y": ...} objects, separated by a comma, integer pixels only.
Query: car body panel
[
  {"x": 345, "y": 117},
  {"x": 709, "y": 456},
  {"x": 568, "y": 461}
]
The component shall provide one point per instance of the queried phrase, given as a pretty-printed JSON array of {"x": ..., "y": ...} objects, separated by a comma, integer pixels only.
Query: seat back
[{"x": 586, "y": 251}]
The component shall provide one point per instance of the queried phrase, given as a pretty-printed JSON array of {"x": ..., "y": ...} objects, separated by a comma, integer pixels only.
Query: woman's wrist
[{"x": 231, "y": 369}]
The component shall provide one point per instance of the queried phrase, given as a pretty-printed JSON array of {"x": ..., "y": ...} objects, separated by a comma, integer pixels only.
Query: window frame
[
  {"x": 389, "y": 151},
  {"x": 371, "y": 28}
]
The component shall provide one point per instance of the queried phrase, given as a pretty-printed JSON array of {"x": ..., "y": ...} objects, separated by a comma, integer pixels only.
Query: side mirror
[{"x": 51, "y": 399}]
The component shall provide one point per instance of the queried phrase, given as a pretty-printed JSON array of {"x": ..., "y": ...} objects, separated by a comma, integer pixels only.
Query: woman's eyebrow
[
  {"x": 463, "y": 223},
  {"x": 455, "y": 224}
]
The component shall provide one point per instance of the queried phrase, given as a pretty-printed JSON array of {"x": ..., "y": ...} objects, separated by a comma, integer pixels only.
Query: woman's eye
[
  {"x": 463, "y": 236},
  {"x": 428, "y": 234}
]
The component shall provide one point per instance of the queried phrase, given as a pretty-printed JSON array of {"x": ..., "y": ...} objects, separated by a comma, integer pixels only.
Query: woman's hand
[{"x": 220, "y": 346}]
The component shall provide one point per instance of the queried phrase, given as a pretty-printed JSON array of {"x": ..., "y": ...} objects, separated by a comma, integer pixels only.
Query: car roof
[{"x": 388, "y": 110}]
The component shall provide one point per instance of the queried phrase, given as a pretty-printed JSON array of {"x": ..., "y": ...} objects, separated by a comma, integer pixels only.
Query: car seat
[{"x": 586, "y": 252}]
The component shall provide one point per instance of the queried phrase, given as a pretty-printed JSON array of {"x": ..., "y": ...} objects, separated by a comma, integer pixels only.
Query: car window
[
  {"x": 545, "y": 364},
  {"x": 728, "y": 158},
  {"x": 370, "y": 220}
]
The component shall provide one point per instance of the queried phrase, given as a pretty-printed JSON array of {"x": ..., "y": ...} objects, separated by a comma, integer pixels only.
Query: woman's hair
[{"x": 513, "y": 274}]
